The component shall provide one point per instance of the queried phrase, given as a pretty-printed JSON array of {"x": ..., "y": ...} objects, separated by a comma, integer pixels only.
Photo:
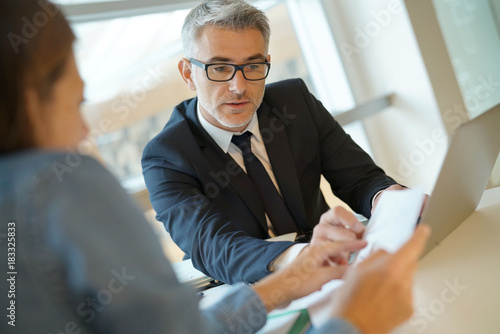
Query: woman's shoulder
[{"x": 30, "y": 168}]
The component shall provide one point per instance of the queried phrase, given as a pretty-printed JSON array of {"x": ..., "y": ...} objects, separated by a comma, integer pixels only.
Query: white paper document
[
  {"x": 393, "y": 222},
  {"x": 391, "y": 225}
]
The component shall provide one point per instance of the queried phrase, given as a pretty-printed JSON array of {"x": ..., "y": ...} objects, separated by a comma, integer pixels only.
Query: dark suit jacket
[{"x": 211, "y": 208}]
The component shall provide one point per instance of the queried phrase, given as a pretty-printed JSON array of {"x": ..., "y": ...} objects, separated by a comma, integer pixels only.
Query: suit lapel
[
  {"x": 272, "y": 125},
  {"x": 218, "y": 161}
]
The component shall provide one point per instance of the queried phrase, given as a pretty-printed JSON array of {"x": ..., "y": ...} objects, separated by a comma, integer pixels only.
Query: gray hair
[{"x": 230, "y": 14}]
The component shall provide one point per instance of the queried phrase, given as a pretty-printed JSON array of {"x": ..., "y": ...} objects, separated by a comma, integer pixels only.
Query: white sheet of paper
[
  {"x": 393, "y": 221},
  {"x": 186, "y": 272},
  {"x": 391, "y": 225}
]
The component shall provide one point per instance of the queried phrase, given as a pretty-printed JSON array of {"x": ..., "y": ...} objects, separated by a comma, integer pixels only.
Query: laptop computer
[{"x": 464, "y": 175}]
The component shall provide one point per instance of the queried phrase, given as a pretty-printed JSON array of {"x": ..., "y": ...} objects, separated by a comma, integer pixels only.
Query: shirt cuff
[
  {"x": 286, "y": 257},
  {"x": 378, "y": 193},
  {"x": 375, "y": 196},
  {"x": 240, "y": 310}
]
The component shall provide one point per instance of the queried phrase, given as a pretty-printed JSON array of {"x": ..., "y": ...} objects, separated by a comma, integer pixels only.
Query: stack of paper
[{"x": 187, "y": 274}]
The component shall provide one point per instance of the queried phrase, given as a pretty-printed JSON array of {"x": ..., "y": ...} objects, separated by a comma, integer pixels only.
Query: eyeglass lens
[{"x": 226, "y": 71}]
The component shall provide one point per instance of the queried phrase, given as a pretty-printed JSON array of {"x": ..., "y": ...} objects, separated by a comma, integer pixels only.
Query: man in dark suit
[{"x": 242, "y": 161}]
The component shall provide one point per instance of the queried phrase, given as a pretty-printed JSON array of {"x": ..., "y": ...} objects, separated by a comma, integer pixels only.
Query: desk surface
[{"x": 457, "y": 286}]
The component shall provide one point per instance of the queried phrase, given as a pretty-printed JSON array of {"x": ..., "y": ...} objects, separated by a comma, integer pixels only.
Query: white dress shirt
[{"x": 223, "y": 139}]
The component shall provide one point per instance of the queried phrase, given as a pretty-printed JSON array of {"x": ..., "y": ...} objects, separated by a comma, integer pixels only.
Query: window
[{"x": 132, "y": 84}]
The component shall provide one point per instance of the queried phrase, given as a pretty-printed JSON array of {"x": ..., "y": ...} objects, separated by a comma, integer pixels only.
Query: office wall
[{"x": 382, "y": 56}]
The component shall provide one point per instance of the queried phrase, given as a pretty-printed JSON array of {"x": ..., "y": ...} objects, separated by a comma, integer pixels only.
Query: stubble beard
[{"x": 222, "y": 118}]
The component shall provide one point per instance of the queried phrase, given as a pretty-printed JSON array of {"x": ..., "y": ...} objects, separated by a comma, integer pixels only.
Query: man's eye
[
  {"x": 254, "y": 67},
  {"x": 221, "y": 68}
]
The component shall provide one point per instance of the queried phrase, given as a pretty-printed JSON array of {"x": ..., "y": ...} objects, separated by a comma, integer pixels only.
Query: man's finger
[
  {"x": 334, "y": 233},
  {"x": 332, "y": 272},
  {"x": 335, "y": 249},
  {"x": 340, "y": 216}
]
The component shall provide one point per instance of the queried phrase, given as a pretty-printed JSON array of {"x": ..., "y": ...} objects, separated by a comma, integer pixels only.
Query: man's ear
[
  {"x": 269, "y": 58},
  {"x": 186, "y": 73}
]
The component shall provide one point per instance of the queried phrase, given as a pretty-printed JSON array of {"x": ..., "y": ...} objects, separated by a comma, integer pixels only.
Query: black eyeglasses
[{"x": 221, "y": 72}]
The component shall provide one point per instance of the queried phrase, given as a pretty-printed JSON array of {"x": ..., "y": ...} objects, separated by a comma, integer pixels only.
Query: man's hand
[
  {"x": 377, "y": 293},
  {"x": 313, "y": 267},
  {"x": 337, "y": 224}
]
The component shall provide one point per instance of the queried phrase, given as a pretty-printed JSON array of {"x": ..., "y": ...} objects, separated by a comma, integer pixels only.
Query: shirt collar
[{"x": 223, "y": 137}]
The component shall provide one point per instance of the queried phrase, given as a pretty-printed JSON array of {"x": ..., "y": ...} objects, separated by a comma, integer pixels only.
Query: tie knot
[{"x": 243, "y": 141}]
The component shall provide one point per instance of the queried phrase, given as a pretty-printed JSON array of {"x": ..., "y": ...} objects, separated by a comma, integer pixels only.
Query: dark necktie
[{"x": 275, "y": 207}]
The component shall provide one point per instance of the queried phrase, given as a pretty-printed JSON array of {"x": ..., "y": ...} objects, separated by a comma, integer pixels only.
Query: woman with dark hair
[
  {"x": 81, "y": 258},
  {"x": 36, "y": 52}
]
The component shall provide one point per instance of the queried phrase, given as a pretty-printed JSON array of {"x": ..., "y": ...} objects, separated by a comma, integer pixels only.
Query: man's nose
[{"x": 238, "y": 84}]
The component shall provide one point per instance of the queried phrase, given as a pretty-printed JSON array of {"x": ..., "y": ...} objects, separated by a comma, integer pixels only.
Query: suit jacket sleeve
[
  {"x": 351, "y": 172},
  {"x": 185, "y": 205}
]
